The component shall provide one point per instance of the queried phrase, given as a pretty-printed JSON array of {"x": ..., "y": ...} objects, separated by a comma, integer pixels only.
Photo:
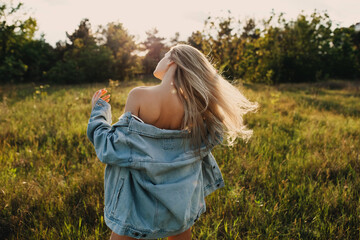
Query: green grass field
[{"x": 297, "y": 178}]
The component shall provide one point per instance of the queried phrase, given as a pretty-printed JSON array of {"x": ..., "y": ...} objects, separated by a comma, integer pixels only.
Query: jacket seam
[
  {"x": 130, "y": 226},
  {"x": 156, "y": 212},
  {"x": 156, "y": 135},
  {"x": 187, "y": 156},
  {"x": 113, "y": 195},
  {"x": 128, "y": 145},
  {"x": 117, "y": 194}
]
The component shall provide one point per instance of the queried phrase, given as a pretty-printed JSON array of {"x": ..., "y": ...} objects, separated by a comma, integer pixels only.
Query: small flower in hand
[{"x": 98, "y": 95}]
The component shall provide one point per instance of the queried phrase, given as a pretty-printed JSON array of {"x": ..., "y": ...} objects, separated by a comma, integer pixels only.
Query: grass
[{"x": 297, "y": 178}]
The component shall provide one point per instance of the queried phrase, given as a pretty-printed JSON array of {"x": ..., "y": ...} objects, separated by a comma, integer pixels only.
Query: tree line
[{"x": 306, "y": 49}]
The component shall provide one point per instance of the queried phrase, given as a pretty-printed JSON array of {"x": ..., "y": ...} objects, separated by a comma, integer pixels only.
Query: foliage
[
  {"x": 155, "y": 50},
  {"x": 295, "y": 50},
  {"x": 116, "y": 38},
  {"x": 82, "y": 60},
  {"x": 345, "y": 53},
  {"x": 306, "y": 49},
  {"x": 22, "y": 59}
]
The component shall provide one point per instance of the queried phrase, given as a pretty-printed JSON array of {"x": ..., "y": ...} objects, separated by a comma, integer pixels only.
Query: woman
[{"x": 191, "y": 98}]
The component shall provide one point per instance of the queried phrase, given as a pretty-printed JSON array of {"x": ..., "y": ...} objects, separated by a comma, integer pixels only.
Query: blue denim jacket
[{"x": 153, "y": 188}]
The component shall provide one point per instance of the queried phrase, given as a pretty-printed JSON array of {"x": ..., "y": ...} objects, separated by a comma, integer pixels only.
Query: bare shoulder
[
  {"x": 149, "y": 100},
  {"x": 141, "y": 92},
  {"x": 133, "y": 100},
  {"x": 140, "y": 98}
]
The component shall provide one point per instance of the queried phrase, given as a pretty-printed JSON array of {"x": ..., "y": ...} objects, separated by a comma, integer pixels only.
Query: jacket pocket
[{"x": 117, "y": 195}]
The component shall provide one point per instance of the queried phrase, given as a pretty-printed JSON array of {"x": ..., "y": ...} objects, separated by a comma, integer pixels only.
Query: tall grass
[{"x": 297, "y": 178}]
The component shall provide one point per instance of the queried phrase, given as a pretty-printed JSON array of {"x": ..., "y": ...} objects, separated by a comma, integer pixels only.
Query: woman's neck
[{"x": 168, "y": 77}]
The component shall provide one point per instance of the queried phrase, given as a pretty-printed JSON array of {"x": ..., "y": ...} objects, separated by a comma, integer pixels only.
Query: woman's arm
[{"x": 109, "y": 141}]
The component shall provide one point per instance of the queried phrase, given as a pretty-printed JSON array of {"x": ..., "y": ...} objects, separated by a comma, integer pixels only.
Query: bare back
[{"x": 161, "y": 108}]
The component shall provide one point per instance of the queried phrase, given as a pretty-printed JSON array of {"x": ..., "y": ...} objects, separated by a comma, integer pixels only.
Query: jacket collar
[{"x": 150, "y": 130}]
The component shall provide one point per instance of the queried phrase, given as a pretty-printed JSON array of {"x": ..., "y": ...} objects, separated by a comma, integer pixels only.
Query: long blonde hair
[{"x": 208, "y": 98}]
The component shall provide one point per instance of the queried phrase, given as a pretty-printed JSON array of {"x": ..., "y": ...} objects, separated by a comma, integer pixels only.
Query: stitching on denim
[
  {"x": 126, "y": 133},
  {"x": 126, "y": 226},
  {"x": 117, "y": 195},
  {"x": 130, "y": 227}
]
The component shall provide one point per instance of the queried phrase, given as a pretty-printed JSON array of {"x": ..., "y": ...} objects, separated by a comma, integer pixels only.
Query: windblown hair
[{"x": 208, "y": 98}]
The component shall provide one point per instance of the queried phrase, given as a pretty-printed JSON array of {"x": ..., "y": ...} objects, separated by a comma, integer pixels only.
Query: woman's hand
[{"x": 98, "y": 95}]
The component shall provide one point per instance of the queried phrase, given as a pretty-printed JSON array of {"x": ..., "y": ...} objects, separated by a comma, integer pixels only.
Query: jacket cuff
[
  {"x": 102, "y": 108},
  {"x": 100, "y": 117}
]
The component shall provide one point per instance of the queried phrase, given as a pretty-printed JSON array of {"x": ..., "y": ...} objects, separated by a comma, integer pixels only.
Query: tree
[
  {"x": 39, "y": 56},
  {"x": 344, "y": 54},
  {"x": 14, "y": 37},
  {"x": 196, "y": 40},
  {"x": 155, "y": 50},
  {"x": 294, "y": 51},
  {"x": 175, "y": 40},
  {"x": 220, "y": 43},
  {"x": 82, "y": 59},
  {"x": 83, "y": 33},
  {"x": 122, "y": 45}
]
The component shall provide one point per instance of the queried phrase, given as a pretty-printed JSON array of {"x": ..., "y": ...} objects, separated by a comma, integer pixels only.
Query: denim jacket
[{"x": 153, "y": 188}]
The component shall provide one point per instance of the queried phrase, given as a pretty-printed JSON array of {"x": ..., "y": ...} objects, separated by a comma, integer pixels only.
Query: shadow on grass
[{"x": 317, "y": 87}]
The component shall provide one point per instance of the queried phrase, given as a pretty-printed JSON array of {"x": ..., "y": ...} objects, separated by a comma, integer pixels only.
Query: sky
[{"x": 55, "y": 17}]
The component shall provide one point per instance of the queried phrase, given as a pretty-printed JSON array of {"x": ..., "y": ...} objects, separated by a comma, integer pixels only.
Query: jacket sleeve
[{"x": 109, "y": 141}]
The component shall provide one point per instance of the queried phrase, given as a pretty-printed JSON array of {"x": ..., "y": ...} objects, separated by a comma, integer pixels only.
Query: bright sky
[{"x": 55, "y": 17}]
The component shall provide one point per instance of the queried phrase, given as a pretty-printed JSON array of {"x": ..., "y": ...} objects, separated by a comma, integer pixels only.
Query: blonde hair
[{"x": 208, "y": 98}]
